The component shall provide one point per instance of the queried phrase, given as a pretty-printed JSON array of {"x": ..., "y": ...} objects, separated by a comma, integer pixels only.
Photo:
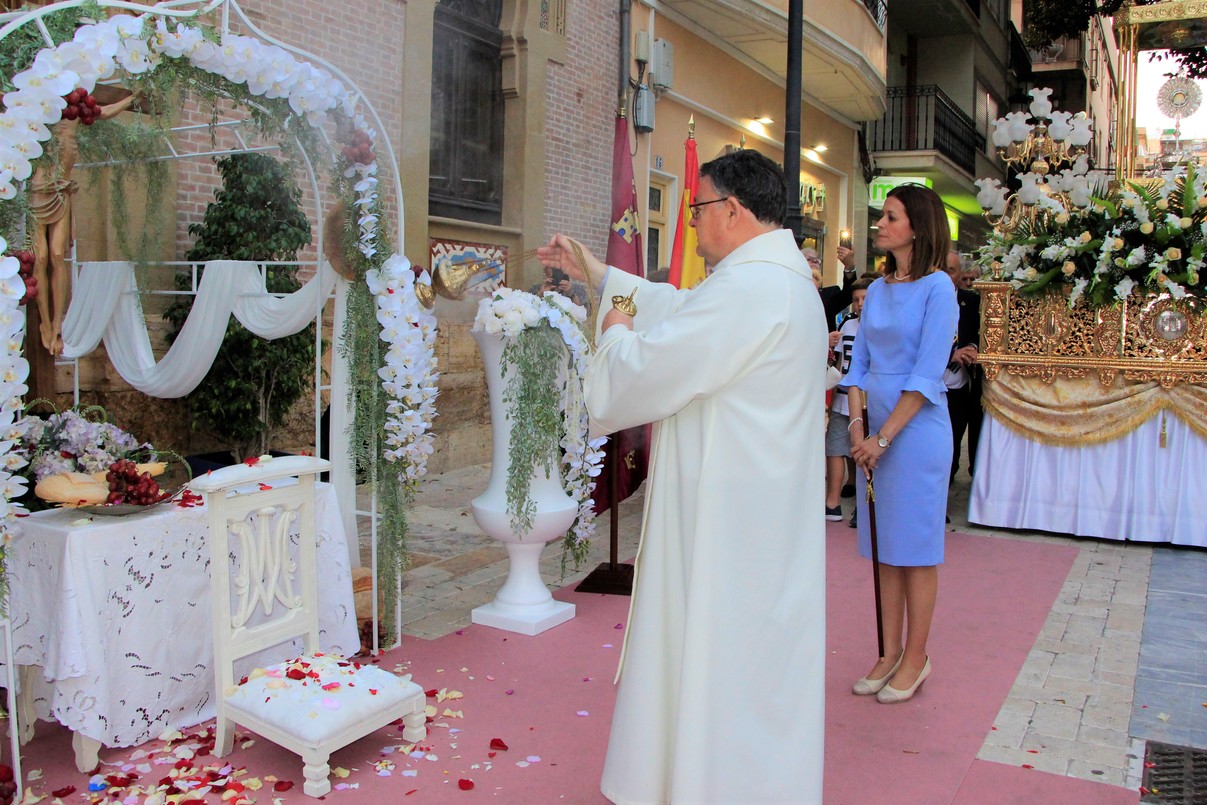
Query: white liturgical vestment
[{"x": 721, "y": 696}]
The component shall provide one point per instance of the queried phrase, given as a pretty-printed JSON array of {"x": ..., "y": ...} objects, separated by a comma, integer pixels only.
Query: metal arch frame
[{"x": 342, "y": 474}]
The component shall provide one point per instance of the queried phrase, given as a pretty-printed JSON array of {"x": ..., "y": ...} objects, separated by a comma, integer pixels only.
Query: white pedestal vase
[{"x": 523, "y": 604}]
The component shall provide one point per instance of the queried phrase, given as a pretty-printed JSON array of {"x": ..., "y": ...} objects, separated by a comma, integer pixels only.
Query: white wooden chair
[{"x": 263, "y": 597}]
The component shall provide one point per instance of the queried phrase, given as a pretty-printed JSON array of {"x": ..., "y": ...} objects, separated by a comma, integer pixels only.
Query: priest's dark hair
[
  {"x": 754, "y": 180},
  {"x": 932, "y": 235}
]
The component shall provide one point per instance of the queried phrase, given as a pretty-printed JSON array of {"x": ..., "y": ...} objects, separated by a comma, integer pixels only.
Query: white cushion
[{"x": 332, "y": 693}]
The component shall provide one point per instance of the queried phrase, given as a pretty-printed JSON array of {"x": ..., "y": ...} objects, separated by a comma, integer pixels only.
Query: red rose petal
[
  {"x": 497, "y": 743},
  {"x": 264, "y": 487},
  {"x": 282, "y": 785},
  {"x": 1028, "y": 766},
  {"x": 465, "y": 785},
  {"x": 251, "y": 462},
  {"x": 65, "y": 791}
]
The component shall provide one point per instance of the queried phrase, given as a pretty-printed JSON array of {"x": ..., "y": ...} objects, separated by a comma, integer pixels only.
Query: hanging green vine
[
  {"x": 362, "y": 348},
  {"x": 532, "y": 357}
]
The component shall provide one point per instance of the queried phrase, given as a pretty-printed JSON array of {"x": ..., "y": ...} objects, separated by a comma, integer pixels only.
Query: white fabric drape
[
  {"x": 1130, "y": 488},
  {"x": 105, "y": 304}
]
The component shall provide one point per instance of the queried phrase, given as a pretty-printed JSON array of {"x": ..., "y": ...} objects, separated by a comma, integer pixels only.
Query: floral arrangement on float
[
  {"x": 543, "y": 362},
  {"x": 1102, "y": 241},
  {"x": 286, "y": 97}
]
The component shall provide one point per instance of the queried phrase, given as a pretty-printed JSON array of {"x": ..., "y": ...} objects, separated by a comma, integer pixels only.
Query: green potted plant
[{"x": 253, "y": 383}]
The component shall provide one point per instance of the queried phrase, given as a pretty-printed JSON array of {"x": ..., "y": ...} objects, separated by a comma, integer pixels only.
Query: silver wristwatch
[{"x": 882, "y": 441}]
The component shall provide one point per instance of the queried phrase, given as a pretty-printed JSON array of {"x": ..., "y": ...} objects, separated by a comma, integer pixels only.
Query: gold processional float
[{"x": 1153, "y": 338}]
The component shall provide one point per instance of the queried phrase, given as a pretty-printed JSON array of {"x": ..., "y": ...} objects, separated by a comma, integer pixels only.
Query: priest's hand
[
  {"x": 572, "y": 257},
  {"x": 614, "y": 316}
]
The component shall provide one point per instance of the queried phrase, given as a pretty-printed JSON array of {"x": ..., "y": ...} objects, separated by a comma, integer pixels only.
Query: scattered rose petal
[
  {"x": 499, "y": 744},
  {"x": 340, "y": 772},
  {"x": 582, "y": 713},
  {"x": 1028, "y": 766},
  {"x": 523, "y": 764},
  {"x": 490, "y": 678},
  {"x": 1163, "y": 716},
  {"x": 282, "y": 785},
  {"x": 534, "y": 758},
  {"x": 509, "y": 691},
  {"x": 65, "y": 791},
  {"x": 410, "y": 773},
  {"x": 465, "y": 785},
  {"x": 607, "y": 645},
  {"x": 34, "y": 774},
  {"x": 618, "y": 626}
]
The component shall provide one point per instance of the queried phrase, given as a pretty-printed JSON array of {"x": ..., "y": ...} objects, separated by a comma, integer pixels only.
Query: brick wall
[{"x": 580, "y": 110}]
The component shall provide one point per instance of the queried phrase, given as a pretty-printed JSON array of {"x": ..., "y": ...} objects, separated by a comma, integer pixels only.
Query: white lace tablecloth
[
  {"x": 116, "y": 612},
  {"x": 1131, "y": 488}
]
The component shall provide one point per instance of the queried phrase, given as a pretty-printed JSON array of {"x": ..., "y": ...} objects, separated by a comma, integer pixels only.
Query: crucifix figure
[{"x": 51, "y": 189}]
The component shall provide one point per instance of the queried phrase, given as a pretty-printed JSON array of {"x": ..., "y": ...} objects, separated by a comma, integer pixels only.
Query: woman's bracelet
[{"x": 853, "y": 421}]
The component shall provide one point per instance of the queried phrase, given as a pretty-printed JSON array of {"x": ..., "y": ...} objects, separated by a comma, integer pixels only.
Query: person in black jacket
[
  {"x": 963, "y": 376},
  {"x": 835, "y": 298}
]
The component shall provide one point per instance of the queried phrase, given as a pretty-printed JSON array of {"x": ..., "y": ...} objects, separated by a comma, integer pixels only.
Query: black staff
[{"x": 871, "y": 500}]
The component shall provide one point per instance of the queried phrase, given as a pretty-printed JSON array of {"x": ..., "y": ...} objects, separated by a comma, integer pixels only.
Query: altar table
[
  {"x": 1130, "y": 488},
  {"x": 115, "y": 611}
]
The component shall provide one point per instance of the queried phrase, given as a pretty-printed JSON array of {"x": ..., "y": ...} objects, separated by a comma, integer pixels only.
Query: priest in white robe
[{"x": 721, "y": 696}]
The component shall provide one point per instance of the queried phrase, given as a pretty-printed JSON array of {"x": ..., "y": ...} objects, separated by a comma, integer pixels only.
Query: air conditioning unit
[{"x": 662, "y": 65}]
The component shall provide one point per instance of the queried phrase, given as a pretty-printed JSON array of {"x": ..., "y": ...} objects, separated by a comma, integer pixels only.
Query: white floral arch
[{"x": 141, "y": 41}]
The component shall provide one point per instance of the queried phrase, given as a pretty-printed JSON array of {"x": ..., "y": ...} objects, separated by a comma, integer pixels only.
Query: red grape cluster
[
  {"x": 8, "y": 786},
  {"x": 127, "y": 486},
  {"x": 81, "y": 106},
  {"x": 360, "y": 150},
  {"x": 27, "y": 274}
]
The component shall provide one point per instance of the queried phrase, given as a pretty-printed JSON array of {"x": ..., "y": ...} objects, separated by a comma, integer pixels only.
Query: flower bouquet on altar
[
  {"x": 78, "y": 458},
  {"x": 1125, "y": 238}
]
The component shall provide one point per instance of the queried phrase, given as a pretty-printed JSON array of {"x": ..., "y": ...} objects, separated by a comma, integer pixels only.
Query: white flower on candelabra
[
  {"x": 509, "y": 312},
  {"x": 1041, "y": 106},
  {"x": 1029, "y": 192},
  {"x": 1017, "y": 127},
  {"x": 1059, "y": 127},
  {"x": 1123, "y": 288},
  {"x": 1083, "y": 130},
  {"x": 991, "y": 196}
]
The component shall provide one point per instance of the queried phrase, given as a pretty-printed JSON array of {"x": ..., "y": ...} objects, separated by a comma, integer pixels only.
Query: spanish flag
[{"x": 687, "y": 267}]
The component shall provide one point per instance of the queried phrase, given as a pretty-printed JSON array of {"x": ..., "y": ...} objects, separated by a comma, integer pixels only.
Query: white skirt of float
[{"x": 523, "y": 604}]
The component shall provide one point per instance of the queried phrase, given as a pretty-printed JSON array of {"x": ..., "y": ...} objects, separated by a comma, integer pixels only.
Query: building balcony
[
  {"x": 844, "y": 61},
  {"x": 924, "y": 122}
]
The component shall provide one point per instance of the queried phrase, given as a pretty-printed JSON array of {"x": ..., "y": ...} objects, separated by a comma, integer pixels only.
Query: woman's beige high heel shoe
[
  {"x": 868, "y": 687},
  {"x": 890, "y": 695}
]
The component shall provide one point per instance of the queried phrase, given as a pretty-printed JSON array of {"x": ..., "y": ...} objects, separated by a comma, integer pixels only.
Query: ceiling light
[
  {"x": 764, "y": 120},
  {"x": 821, "y": 149}
]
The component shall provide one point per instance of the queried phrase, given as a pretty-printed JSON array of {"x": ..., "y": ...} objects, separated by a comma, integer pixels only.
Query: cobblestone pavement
[{"x": 1070, "y": 709}]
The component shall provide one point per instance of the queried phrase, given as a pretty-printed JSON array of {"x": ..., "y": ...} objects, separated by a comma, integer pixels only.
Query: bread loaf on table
[{"x": 72, "y": 489}]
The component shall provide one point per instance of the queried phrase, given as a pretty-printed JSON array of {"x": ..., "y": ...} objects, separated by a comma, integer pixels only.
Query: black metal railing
[
  {"x": 879, "y": 11},
  {"x": 923, "y": 118}
]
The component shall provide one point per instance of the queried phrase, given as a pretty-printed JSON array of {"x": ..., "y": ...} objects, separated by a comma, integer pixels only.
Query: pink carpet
[{"x": 549, "y": 700}]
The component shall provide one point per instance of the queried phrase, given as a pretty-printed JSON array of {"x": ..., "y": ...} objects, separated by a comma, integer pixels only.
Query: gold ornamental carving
[{"x": 1150, "y": 338}]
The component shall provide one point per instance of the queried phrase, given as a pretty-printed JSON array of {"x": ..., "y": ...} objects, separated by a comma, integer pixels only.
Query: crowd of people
[{"x": 730, "y": 581}]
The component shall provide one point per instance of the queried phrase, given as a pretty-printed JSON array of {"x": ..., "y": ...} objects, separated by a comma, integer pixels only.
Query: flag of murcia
[{"x": 628, "y": 226}]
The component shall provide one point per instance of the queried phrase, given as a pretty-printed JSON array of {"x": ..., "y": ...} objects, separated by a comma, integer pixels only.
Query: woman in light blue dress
[{"x": 905, "y": 338}]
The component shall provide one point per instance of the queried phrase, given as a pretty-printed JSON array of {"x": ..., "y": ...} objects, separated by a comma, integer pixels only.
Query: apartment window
[
  {"x": 985, "y": 113},
  {"x": 466, "y": 170},
  {"x": 656, "y": 229}
]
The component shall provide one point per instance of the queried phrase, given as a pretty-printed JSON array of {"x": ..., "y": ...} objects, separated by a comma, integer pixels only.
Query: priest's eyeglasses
[{"x": 695, "y": 208}]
